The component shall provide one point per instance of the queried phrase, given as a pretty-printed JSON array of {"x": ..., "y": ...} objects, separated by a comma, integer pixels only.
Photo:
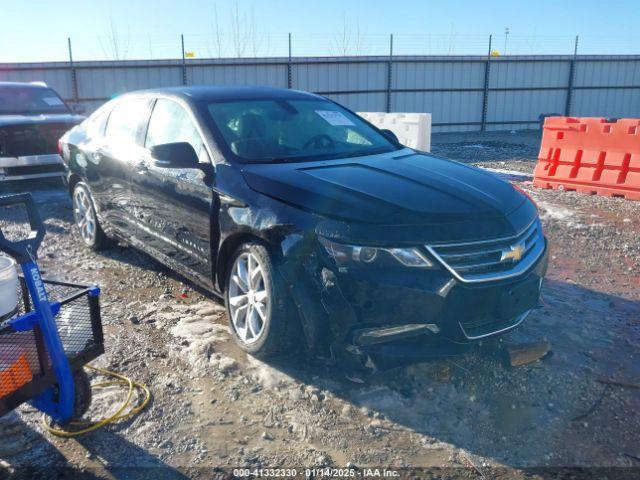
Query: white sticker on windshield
[
  {"x": 334, "y": 118},
  {"x": 52, "y": 101}
]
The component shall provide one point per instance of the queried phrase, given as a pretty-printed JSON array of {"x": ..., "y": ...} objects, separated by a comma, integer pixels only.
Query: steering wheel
[{"x": 319, "y": 141}]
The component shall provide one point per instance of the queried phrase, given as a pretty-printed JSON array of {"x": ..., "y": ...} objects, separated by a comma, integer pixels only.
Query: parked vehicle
[
  {"x": 317, "y": 228},
  {"x": 32, "y": 119}
]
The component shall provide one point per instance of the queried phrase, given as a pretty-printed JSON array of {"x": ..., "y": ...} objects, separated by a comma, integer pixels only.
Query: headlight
[{"x": 345, "y": 255}]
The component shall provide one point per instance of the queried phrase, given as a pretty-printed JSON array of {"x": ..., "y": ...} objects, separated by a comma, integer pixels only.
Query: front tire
[
  {"x": 86, "y": 219},
  {"x": 260, "y": 312}
]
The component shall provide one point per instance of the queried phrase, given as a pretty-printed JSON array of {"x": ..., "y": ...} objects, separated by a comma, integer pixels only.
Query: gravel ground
[{"x": 474, "y": 416}]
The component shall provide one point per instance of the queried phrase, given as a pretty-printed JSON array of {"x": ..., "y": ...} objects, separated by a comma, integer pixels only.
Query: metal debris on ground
[{"x": 525, "y": 353}]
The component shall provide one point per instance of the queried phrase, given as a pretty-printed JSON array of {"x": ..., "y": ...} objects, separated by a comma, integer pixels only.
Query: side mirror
[
  {"x": 78, "y": 108},
  {"x": 390, "y": 135},
  {"x": 174, "y": 155}
]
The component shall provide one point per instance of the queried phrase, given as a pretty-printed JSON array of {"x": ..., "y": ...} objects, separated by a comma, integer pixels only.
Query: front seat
[{"x": 252, "y": 139}]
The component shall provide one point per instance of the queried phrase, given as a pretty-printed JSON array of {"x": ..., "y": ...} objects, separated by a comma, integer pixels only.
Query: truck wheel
[
  {"x": 86, "y": 219},
  {"x": 82, "y": 395},
  {"x": 260, "y": 312}
]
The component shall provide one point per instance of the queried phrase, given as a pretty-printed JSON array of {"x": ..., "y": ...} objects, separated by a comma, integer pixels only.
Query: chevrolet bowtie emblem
[{"x": 513, "y": 254}]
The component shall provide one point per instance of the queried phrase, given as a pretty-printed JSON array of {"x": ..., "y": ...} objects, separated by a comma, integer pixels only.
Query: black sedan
[{"x": 317, "y": 228}]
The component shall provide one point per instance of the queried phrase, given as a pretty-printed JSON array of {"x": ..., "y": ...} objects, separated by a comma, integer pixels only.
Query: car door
[
  {"x": 174, "y": 204},
  {"x": 111, "y": 158}
]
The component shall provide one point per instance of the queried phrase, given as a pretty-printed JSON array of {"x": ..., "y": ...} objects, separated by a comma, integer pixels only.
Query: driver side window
[{"x": 170, "y": 123}]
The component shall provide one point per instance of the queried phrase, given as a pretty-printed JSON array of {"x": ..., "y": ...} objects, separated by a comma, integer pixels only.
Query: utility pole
[
  {"x": 572, "y": 74},
  {"x": 485, "y": 95},
  {"x": 184, "y": 61},
  {"x": 389, "y": 74},
  {"x": 506, "y": 35},
  {"x": 74, "y": 75},
  {"x": 289, "y": 79}
]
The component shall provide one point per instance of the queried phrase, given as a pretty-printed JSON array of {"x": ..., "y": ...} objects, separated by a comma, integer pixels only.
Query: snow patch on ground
[
  {"x": 199, "y": 336},
  {"x": 105, "y": 401},
  {"x": 509, "y": 174},
  {"x": 561, "y": 214},
  {"x": 267, "y": 375}
]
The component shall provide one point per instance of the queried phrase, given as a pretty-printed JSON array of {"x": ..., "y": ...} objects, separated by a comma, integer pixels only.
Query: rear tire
[
  {"x": 261, "y": 314},
  {"x": 86, "y": 219}
]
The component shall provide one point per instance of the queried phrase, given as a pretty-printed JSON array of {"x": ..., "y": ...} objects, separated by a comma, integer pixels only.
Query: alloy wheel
[
  {"x": 248, "y": 298},
  {"x": 84, "y": 216}
]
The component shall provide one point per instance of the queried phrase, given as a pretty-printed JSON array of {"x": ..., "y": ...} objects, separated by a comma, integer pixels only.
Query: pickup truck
[{"x": 32, "y": 119}]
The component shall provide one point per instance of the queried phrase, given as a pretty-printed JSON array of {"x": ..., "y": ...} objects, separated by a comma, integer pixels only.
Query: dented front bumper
[{"x": 405, "y": 312}]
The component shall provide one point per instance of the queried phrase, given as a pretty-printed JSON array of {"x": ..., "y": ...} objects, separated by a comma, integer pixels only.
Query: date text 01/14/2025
[{"x": 316, "y": 472}]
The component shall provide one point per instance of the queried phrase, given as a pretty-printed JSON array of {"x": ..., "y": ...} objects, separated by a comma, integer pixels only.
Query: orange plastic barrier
[
  {"x": 14, "y": 377},
  {"x": 590, "y": 155}
]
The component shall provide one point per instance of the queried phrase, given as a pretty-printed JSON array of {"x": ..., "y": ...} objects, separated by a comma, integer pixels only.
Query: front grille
[
  {"x": 495, "y": 259},
  {"x": 34, "y": 169},
  {"x": 37, "y": 139}
]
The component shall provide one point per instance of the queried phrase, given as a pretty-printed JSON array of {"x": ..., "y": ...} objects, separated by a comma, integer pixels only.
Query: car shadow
[
  {"x": 125, "y": 460},
  {"x": 28, "y": 454},
  {"x": 553, "y": 412}
]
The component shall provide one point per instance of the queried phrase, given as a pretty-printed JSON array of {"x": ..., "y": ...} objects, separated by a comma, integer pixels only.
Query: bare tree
[
  {"x": 239, "y": 32},
  {"x": 348, "y": 40},
  {"x": 244, "y": 36},
  {"x": 259, "y": 40},
  {"x": 114, "y": 46},
  {"x": 451, "y": 40},
  {"x": 217, "y": 35}
]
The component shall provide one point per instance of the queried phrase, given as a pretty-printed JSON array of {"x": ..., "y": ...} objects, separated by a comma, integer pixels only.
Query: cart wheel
[{"x": 82, "y": 386}]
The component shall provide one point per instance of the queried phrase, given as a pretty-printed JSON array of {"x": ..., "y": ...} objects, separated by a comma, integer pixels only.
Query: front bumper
[
  {"x": 421, "y": 314},
  {"x": 461, "y": 312},
  {"x": 30, "y": 167}
]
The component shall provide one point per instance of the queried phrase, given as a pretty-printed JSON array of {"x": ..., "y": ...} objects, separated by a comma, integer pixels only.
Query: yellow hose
[{"x": 117, "y": 416}]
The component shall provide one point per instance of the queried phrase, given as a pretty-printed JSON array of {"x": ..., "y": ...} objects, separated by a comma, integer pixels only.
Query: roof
[{"x": 216, "y": 93}]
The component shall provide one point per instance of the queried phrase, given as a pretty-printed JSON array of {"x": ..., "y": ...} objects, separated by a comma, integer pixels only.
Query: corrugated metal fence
[{"x": 461, "y": 92}]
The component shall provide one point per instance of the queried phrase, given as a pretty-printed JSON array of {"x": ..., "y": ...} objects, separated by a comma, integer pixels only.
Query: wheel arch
[
  {"x": 74, "y": 178},
  {"x": 230, "y": 245}
]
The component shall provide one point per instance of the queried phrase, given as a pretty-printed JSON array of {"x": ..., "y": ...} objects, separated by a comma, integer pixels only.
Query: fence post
[
  {"x": 572, "y": 69},
  {"x": 389, "y": 73},
  {"x": 184, "y": 62},
  {"x": 74, "y": 75},
  {"x": 289, "y": 64},
  {"x": 485, "y": 95}
]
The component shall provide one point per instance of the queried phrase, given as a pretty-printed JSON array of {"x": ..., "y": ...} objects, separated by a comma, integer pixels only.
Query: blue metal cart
[{"x": 56, "y": 331}]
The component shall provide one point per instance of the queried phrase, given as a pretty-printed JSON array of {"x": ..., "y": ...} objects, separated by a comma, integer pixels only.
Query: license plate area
[{"x": 519, "y": 298}]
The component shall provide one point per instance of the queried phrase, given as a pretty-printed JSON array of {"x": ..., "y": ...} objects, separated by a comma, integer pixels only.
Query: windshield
[
  {"x": 29, "y": 99},
  {"x": 291, "y": 130}
]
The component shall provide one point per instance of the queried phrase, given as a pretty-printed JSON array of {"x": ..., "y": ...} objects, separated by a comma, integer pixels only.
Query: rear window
[{"x": 16, "y": 99}]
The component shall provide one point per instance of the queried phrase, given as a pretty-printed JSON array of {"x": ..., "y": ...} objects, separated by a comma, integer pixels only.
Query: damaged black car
[{"x": 319, "y": 230}]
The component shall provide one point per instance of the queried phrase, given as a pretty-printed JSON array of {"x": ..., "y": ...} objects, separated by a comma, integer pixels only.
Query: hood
[
  {"x": 398, "y": 188},
  {"x": 41, "y": 119}
]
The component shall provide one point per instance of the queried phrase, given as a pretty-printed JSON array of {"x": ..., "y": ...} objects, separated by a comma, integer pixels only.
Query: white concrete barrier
[{"x": 412, "y": 129}]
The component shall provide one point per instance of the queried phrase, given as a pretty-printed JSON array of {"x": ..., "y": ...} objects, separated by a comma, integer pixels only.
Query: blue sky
[{"x": 37, "y": 29}]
